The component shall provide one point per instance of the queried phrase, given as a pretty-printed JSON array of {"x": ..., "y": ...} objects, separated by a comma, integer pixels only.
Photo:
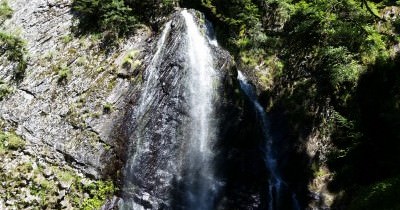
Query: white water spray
[
  {"x": 153, "y": 72},
  {"x": 202, "y": 77},
  {"x": 148, "y": 94}
]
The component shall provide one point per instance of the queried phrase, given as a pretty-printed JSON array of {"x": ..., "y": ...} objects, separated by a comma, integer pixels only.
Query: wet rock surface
[
  {"x": 157, "y": 137},
  {"x": 76, "y": 108}
]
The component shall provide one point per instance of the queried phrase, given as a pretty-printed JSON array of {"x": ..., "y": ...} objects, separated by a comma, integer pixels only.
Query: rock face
[
  {"x": 66, "y": 108},
  {"x": 77, "y": 107},
  {"x": 156, "y": 174},
  {"x": 71, "y": 94},
  {"x": 155, "y": 125}
]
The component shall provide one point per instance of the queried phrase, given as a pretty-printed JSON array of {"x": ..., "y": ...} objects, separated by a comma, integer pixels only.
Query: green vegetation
[
  {"x": 5, "y": 11},
  {"x": 119, "y": 17},
  {"x": 66, "y": 39},
  {"x": 81, "y": 192},
  {"x": 129, "y": 58},
  {"x": 99, "y": 191},
  {"x": 5, "y": 89},
  {"x": 327, "y": 66},
  {"x": 110, "y": 15},
  {"x": 10, "y": 141},
  {"x": 48, "y": 184},
  {"x": 14, "y": 48},
  {"x": 381, "y": 195},
  {"x": 63, "y": 72},
  {"x": 107, "y": 108}
]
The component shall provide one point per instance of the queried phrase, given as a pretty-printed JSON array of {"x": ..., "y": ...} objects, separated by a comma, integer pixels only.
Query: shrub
[
  {"x": 63, "y": 72},
  {"x": 396, "y": 25},
  {"x": 5, "y": 11},
  {"x": 381, "y": 195},
  {"x": 107, "y": 108},
  {"x": 14, "y": 48},
  {"x": 10, "y": 140},
  {"x": 15, "y": 142},
  {"x": 99, "y": 191},
  {"x": 4, "y": 90},
  {"x": 106, "y": 15}
]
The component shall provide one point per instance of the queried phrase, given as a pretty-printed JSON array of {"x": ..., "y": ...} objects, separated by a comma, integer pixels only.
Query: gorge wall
[{"x": 98, "y": 110}]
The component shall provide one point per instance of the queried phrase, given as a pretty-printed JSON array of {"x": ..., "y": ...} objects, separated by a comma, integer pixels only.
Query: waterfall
[
  {"x": 174, "y": 127},
  {"x": 153, "y": 72},
  {"x": 135, "y": 173},
  {"x": 201, "y": 183},
  {"x": 276, "y": 186},
  {"x": 147, "y": 96}
]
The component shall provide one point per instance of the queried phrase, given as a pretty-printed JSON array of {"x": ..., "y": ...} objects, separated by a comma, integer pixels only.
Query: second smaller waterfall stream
[{"x": 277, "y": 187}]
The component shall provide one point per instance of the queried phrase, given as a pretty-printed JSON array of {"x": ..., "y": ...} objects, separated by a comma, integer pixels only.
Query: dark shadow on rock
[{"x": 373, "y": 153}]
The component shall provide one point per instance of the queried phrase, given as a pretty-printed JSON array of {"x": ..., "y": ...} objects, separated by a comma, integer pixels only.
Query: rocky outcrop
[
  {"x": 76, "y": 111},
  {"x": 71, "y": 93},
  {"x": 71, "y": 96},
  {"x": 156, "y": 131},
  {"x": 156, "y": 175}
]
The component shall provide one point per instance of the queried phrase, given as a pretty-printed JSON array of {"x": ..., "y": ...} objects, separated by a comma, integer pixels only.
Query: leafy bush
[
  {"x": 10, "y": 140},
  {"x": 5, "y": 11},
  {"x": 107, "y": 108},
  {"x": 15, "y": 142},
  {"x": 383, "y": 195},
  {"x": 4, "y": 90},
  {"x": 99, "y": 191},
  {"x": 105, "y": 15},
  {"x": 396, "y": 25},
  {"x": 14, "y": 48},
  {"x": 63, "y": 72},
  {"x": 150, "y": 11},
  {"x": 120, "y": 16}
]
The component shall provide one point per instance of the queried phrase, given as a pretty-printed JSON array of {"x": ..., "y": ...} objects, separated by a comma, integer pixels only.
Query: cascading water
[
  {"x": 201, "y": 184},
  {"x": 181, "y": 147},
  {"x": 153, "y": 74},
  {"x": 173, "y": 129},
  {"x": 277, "y": 187},
  {"x": 142, "y": 146}
]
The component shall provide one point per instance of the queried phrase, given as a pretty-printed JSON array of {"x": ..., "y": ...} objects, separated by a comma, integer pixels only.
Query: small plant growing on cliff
[
  {"x": 10, "y": 140},
  {"x": 14, "y": 48},
  {"x": 130, "y": 60},
  {"x": 15, "y": 142},
  {"x": 107, "y": 108},
  {"x": 5, "y": 11},
  {"x": 4, "y": 90},
  {"x": 99, "y": 191},
  {"x": 63, "y": 73},
  {"x": 66, "y": 39}
]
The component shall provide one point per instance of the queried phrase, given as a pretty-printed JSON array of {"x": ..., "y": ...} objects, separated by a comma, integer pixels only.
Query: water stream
[
  {"x": 276, "y": 185},
  {"x": 175, "y": 126},
  {"x": 200, "y": 179},
  {"x": 174, "y": 122}
]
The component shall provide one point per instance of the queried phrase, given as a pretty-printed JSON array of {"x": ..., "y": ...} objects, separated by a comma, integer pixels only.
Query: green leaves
[
  {"x": 14, "y": 48},
  {"x": 383, "y": 195},
  {"x": 374, "y": 46},
  {"x": 106, "y": 15},
  {"x": 339, "y": 65},
  {"x": 117, "y": 17},
  {"x": 5, "y": 11}
]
